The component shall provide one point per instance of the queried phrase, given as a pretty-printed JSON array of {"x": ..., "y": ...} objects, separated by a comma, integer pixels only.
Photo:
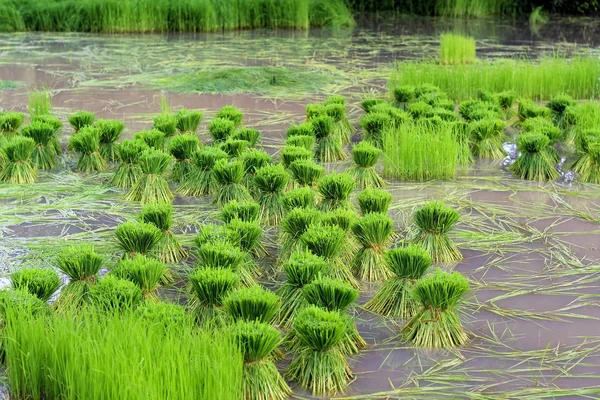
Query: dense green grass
[
  {"x": 450, "y": 8},
  {"x": 456, "y": 49}
]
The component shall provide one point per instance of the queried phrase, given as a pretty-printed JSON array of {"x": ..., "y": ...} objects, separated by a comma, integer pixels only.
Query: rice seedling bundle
[
  {"x": 201, "y": 180},
  {"x": 335, "y": 190},
  {"x": 137, "y": 238},
  {"x": 182, "y": 147},
  {"x": 115, "y": 295},
  {"x": 81, "y": 264},
  {"x": 44, "y": 153},
  {"x": 229, "y": 176},
  {"x": 430, "y": 228},
  {"x": 558, "y": 105},
  {"x": 221, "y": 129},
  {"x": 40, "y": 282},
  {"x": 55, "y": 123},
  {"x": 188, "y": 120},
  {"x": 303, "y": 129},
  {"x": 261, "y": 379},
  {"x": 373, "y": 125},
  {"x": 14, "y": 301},
  {"x": 208, "y": 288},
  {"x": 129, "y": 170},
  {"x": 147, "y": 273},
  {"x": 109, "y": 130},
  {"x": 487, "y": 136},
  {"x": 306, "y": 172},
  {"x": 505, "y": 100},
  {"x": 461, "y": 134},
  {"x": 221, "y": 254},
  {"x": 542, "y": 125},
  {"x": 374, "y": 201},
  {"x": 289, "y": 154},
  {"x": 270, "y": 181},
  {"x": 166, "y": 124},
  {"x": 536, "y": 161},
  {"x": 233, "y": 147},
  {"x": 246, "y": 211},
  {"x": 394, "y": 299},
  {"x": 587, "y": 164},
  {"x": 368, "y": 102},
  {"x": 247, "y": 234},
  {"x": 294, "y": 224},
  {"x": 301, "y": 268},
  {"x": 398, "y": 117},
  {"x": 254, "y": 160},
  {"x": 328, "y": 147},
  {"x": 373, "y": 232},
  {"x": 365, "y": 157},
  {"x": 303, "y": 141},
  {"x": 303, "y": 197},
  {"x": 402, "y": 94},
  {"x": 154, "y": 138},
  {"x": 420, "y": 109},
  {"x": 456, "y": 49},
  {"x": 152, "y": 187},
  {"x": 17, "y": 166},
  {"x": 81, "y": 119},
  {"x": 253, "y": 304},
  {"x": 320, "y": 366},
  {"x": 87, "y": 143},
  {"x": 475, "y": 110},
  {"x": 165, "y": 316},
  {"x": 437, "y": 324},
  {"x": 315, "y": 110},
  {"x": 335, "y": 99},
  {"x": 341, "y": 126},
  {"x": 527, "y": 108},
  {"x": 252, "y": 136},
  {"x": 160, "y": 215},
  {"x": 343, "y": 218},
  {"x": 232, "y": 114}
]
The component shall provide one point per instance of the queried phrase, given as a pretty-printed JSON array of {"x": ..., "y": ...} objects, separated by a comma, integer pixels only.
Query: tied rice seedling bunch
[
  {"x": 55, "y": 123},
  {"x": 116, "y": 296},
  {"x": 182, "y": 148},
  {"x": 248, "y": 235},
  {"x": 587, "y": 164},
  {"x": 527, "y": 108},
  {"x": 231, "y": 113},
  {"x": 365, "y": 157},
  {"x": 253, "y": 304},
  {"x": 398, "y": 117},
  {"x": 374, "y": 201},
  {"x": 289, "y": 154},
  {"x": 335, "y": 99},
  {"x": 373, "y": 232},
  {"x": 303, "y": 129},
  {"x": 320, "y": 366},
  {"x": 87, "y": 143},
  {"x": 40, "y": 282},
  {"x": 81, "y": 264},
  {"x": 335, "y": 190},
  {"x": 208, "y": 288},
  {"x": 81, "y": 119},
  {"x": 306, "y": 172},
  {"x": 536, "y": 161},
  {"x": 328, "y": 147},
  {"x": 294, "y": 224},
  {"x": 147, "y": 273},
  {"x": 129, "y": 170},
  {"x": 270, "y": 182},
  {"x": 10, "y": 122},
  {"x": 44, "y": 153},
  {"x": 166, "y": 124},
  {"x": 304, "y": 141},
  {"x": 436, "y": 324},
  {"x": 254, "y": 160},
  {"x": 246, "y": 211},
  {"x": 368, "y": 102},
  {"x": 201, "y": 180},
  {"x": 300, "y": 269},
  {"x": 486, "y": 137},
  {"x": 137, "y": 238},
  {"x": 558, "y": 107},
  {"x": 421, "y": 110},
  {"x": 341, "y": 126},
  {"x": 373, "y": 125},
  {"x": 170, "y": 317},
  {"x": 17, "y": 165},
  {"x": 250, "y": 135},
  {"x": 109, "y": 130},
  {"x": 155, "y": 139},
  {"x": 430, "y": 228},
  {"x": 394, "y": 299},
  {"x": 234, "y": 148},
  {"x": 152, "y": 187},
  {"x": 221, "y": 129},
  {"x": 546, "y": 127},
  {"x": 315, "y": 110},
  {"x": 303, "y": 197},
  {"x": 22, "y": 301},
  {"x": 188, "y": 120},
  {"x": 260, "y": 379},
  {"x": 343, "y": 218},
  {"x": 460, "y": 131},
  {"x": 229, "y": 176},
  {"x": 160, "y": 215},
  {"x": 474, "y": 110}
]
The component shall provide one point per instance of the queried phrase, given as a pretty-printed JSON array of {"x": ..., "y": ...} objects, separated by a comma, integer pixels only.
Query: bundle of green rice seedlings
[
  {"x": 420, "y": 109},
  {"x": 115, "y": 295},
  {"x": 252, "y": 304},
  {"x": 303, "y": 129},
  {"x": 246, "y": 211},
  {"x": 129, "y": 171},
  {"x": 304, "y": 141},
  {"x": 436, "y": 324},
  {"x": 208, "y": 288},
  {"x": 542, "y": 125},
  {"x": 398, "y": 117},
  {"x": 169, "y": 316},
  {"x": 247, "y": 234},
  {"x": 306, "y": 172},
  {"x": 504, "y": 100},
  {"x": 558, "y": 106},
  {"x": 487, "y": 137},
  {"x": 55, "y": 123},
  {"x": 335, "y": 190},
  {"x": 109, "y": 130},
  {"x": 218, "y": 254},
  {"x": 315, "y": 110},
  {"x": 343, "y": 218},
  {"x": 152, "y": 187},
  {"x": 81, "y": 264},
  {"x": 10, "y": 122},
  {"x": 81, "y": 119},
  {"x": 254, "y": 160},
  {"x": 166, "y": 123},
  {"x": 161, "y": 215},
  {"x": 446, "y": 115},
  {"x": 430, "y": 227},
  {"x": 461, "y": 133},
  {"x": 289, "y": 154},
  {"x": 40, "y": 282},
  {"x": 270, "y": 182},
  {"x": 17, "y": 166},
  {"x": 373, "y": 125},
  {"x": 368, "y": 102},
  {"x": 341, "y": 126},
  {"x": 587, "y": 164},
  {"x": 302, "y": 197},
  {"x": 536, "y": 161},
  {"x": 327, "y": 241},
  {"x": 408, "y": 265},
  {"x": 182, "y": 147},
  {"x": 365, "y": 157},
  {"x": 188, "y": 120},
  {"x": 137, "y": 238},
  {"x": 328, "y": 147},
  {"x": 294, "y": 224},
  {"x": 201, "y": 180},
  {"x": 374, "y": 201},
  {"x": 529, "y": 109},
  {"x": 221, "y": 129},
  {"x": 373, "y": 232},
  {"x": 23, "y": 302},
  {"x": 155, "y": 139},
  {"x": 147, "y": 273},
  {"x": 232, "y": 114},
  {"x": 234, "y": 147},
  {"x": 44, "y": 152},
  {"x": 474, "y": 110},
  {"x": 87, "y": 143},
  {"x": 260, "y": 378},
  {"x": 404, "y": 93},
  {"x": 229, "y": 176},
  {"x": 300, "y": 269},
  {"x": 252, "y": 136},
  {"x": 335, "y": 99},
  {"x": 320, "y": 366}
]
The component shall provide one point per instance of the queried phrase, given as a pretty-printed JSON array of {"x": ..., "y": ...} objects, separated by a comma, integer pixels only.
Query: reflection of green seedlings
[
  {"x": 374, "y": 201},
  {"x": 10, "y": 122},
  {"x": 188, "y": 120},
  {"x": 81, "y": 264},
  {"x": 328, "y": 147},
  {"x": 529, "y": 109},
  {"x": 161, "y": 216},
  {"x": 335, "y": 191},
  {"x": 137, "y": 238},
  {"x": 110, "y": 131},
  {"x": 153, "y": 138},
  {"x": 270, "y": 181},
  {"x": 294, "y": 224},
  {"x": 44, "y": 153},
  {"x": 229, "y": 176},
  {"x": 252, "y": 136},
  {"x": 537, "y": 19},
  {"x": 233, "y": 147},
  {"x": 40, "y": 282},
  {"x": 430, "y": 227},
  {"x": 246, "y": 211},
  {"x": 536, "y": 161},
  {"x": 201, "y": 180},
  {"x": 147, "y": 273},
  {"x": 365, "y": 157},
  {"x": 373, "y": 232},
  {"x": 166, "y": 123},
  {"x": 129, "y": 171},
  {"x": 208, "y": 288},
  {"x": 306, "y": 172},
  {"x": 437, "y": 324},
  {"x": 182, "y": 148},
  {"x": 587, "y": 164},
  {"x": 289, "y": 154},
  {"x": 18, "y": 167},
  {"x": 373, "y": 126},
  {"x": 152, "y": 187},
  {"x": 305, "y": 141},
  {"x": 115, "y": 295},
  {"x": 231, "y": 113},
  {"x": 487, "y": 137},
  {"x": 456, "y": 49},
  {"x": 221, "y": 129},
  {"x": 408, "y": 265},
  {"x": 247, "y": 234},
  {"x": 254, "y": 160},
  {"x": 302, "y": 197},
  {"x": 81, "y": 119},
  {"x": 252, "y": 304}
]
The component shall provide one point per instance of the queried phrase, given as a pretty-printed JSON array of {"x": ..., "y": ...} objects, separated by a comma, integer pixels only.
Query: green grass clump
[
  {"x": 109, "y": 130},
  {"x": 373, "y": 232},
  {"x": 152, "y": 187},
  {"x": 304, "y": 141},
  {"x": 137, "y": 238},
  {"x": 335, "y": 190},
  {"x": 293, "y": 226},
  {"x": 401, "y": 94},
  {"x": 254, "y": 160},
  {"x": 81, "y": 264},
  {"x": 201, "y": 179},
  {"x": 221, "y": 129},
  {"x": 234, "y": 147},
  {"x": 168, "y": 316},
  {"x": 10, "y": 122},
  {"x": 587, "y": 164},
  {"x": 147, "y": 273},
  {"x": 129, "y": 170},
  {"x": 154, "y": 138},
  {"x": 246, "y": 211},
  {"x": 558, "y": 105},
  {"x": 303, "y": 129},
  {"x": 456, "y": 49},
  {"x": 44, "y": 154},
  {"x": 430, "y": 228},
  {"x": 229, "y": 176},
  {"x": 81, "y": 119},
  {"x": 486, "y": 138},
  {"x": 55, "y": 123},
  {"x": 315, "y": 110},
  {"x": 115, "y": 295},
  {"x": 536, "y": 161},
  {"x": 475, "y": 110},
  {"x": 289, "y": 154},
  {"x": 270, "y": 181},
  {"x": 437, "y": 324},
  {"x": 394, "y": 299},
  {"x": 373, "y": 125},
  {"x": 182, "y": 147},
  {"x": 461, "y": 134},
  {"x": 42, "y": 283},
  {"x": 17, "y": 166},
  {"x": 374, "y": 201},
  {"x": 161, "y": 215},
  {"x": 166, "y": 123},
  {"x": 252, "y": 136},
  {"x": 247, "y": 235},
  {"x": 13, "y": 301},
  {"x": 302, "y": 197},
  {"x": 39, "y": 103},
  {"x": 306, "y": 172},
  {"x": 365, "y": 157},
  {"x": 543, "y": 126},
  {"x": 208, "y": 288},
  {"x": 343, "y": 218},
  {"x": 527, "y": 108},
  {"x": 219, "y": 254},
  {"x": 87, "y": 143},
  {"x": 188, "y": 120},
  {"x": 232, "y": 114},
  {"x": 252, "y": 304},
  {"x": 341, "y": 126},
  {"x": 328, "y": 146}
]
